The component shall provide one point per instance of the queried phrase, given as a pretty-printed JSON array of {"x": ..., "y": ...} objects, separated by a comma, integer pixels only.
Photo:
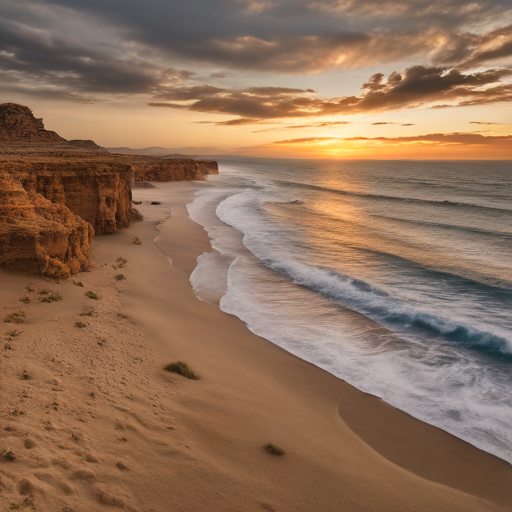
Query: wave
[
  {"x": 391, "y": 198},
  {"x": 378, "y": 305},
  {"x": 479, "y": 231}
]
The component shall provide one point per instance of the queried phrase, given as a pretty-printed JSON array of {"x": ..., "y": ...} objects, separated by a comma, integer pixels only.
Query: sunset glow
[{"x": 239, "y": 77}]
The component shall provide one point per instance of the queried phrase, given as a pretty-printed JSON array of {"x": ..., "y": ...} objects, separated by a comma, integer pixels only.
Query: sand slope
[{"x": 95, "y": 424}]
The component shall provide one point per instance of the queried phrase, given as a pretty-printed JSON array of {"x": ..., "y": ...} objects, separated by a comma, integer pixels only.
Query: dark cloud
[
  {"x": 108, "y": 47},
  {"x": 481, "y": 122},
  {"x": 471, "y": 139},
  {"x": 380, "y": 123},
  {"x": 416, "y": 86}
]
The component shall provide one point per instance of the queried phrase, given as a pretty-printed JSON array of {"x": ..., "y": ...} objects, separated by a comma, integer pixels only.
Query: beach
[{"x": 93, "y": 422}]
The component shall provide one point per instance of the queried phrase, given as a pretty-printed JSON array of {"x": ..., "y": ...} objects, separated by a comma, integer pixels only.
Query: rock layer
[
  {"x": 172, "y": 169},
  {"x": 18, "y": 124},
  {"x": 100, "y": 193},
  {"x": 38, "y": 236}
]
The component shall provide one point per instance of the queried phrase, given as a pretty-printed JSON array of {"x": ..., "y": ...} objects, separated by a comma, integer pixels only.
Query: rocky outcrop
[
  {"x": 172, "y": 169},
  {"x": 100, "y": 193},
  {"x": 38, "y": 236},
  {"x": 18, "y": 124},
  {"x": 90, "y": 145}
]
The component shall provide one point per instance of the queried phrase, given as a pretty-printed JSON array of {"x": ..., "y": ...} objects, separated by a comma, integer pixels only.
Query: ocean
[{"x": 395, "y": 276}]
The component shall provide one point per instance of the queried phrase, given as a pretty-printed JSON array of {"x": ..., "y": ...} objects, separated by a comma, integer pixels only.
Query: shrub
[
  {"x": 28, "y": 444},
  {"x": 121, "y": 262},
  {"x": 89, "y": 312},
  {"x": 15, "y": 318},
  {"x": 182, "y": 369},
  {"x": 80, "y": 325},
  {"x": 78, "y": 283},
  {"x": 274, "y": 450},
  {"x": 12, "y": 333},
  {"x": 29, "y": 287},
  {"x": 120, "y": 277},
  {"x": 25, "y": 300},
  {"x": 92, "y": 295},
  {"x": 51, "y": 297}
]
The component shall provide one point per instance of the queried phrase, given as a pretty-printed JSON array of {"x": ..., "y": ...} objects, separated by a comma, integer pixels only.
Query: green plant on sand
[
  {"x": 273, "y": 449},
  {"x": 15, "y": 318},
  {"x": 182, "y": 369},
  {"x": 51, "y": 297},
  {"x": 92, "y": 295}
]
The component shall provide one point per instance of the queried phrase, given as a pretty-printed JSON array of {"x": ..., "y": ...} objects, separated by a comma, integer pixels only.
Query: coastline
[{"x": 198, "y": 445}]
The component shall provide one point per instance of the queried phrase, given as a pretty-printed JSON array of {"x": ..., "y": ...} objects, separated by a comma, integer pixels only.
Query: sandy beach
[{"x": 90, "y": 421}]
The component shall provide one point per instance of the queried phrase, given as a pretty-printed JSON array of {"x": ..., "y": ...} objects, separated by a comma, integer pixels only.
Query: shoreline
[{"x": 198, "y": 445}]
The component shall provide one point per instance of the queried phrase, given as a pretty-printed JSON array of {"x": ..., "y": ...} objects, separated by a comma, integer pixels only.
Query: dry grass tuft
[
  {"x": 15, "y": 318},
  {"x": 28, "y": 444},
  {"x": 274, "y": 450},
  {"x": 182, "y": 369},
  {"x": 50, "y": 296}
]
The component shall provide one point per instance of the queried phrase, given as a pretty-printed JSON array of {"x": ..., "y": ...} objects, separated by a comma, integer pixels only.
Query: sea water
[{"x": 395, "y": 276}]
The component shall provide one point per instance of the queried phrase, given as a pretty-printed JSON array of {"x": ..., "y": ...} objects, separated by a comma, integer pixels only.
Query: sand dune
[{"x": 90, "y": 421}]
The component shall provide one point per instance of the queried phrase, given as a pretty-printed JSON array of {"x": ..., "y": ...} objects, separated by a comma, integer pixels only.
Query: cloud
[
  {"x": 417, "y": 86},
  {"x": 99, "y": 48},
  {"x": 380, "y": 123},
  {"x": 470, "y": 139},
  {"x": 481, "y": 122},
  {"x": 325, "y": 124}
]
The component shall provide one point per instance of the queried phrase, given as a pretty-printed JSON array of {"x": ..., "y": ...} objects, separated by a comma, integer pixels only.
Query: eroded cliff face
[
  {"x": 38, "y": 236},
  {"x": 100, "y": 193},
  {"x": 172, "y": 169},
  {"x": 55, "y": 194}
]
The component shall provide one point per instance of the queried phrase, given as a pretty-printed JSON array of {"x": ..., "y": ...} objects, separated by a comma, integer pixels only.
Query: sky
[{"x": 410, "y": 79}]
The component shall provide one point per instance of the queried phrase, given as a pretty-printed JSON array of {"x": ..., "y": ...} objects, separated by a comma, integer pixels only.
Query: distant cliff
[{"x": 172, "y": 169}]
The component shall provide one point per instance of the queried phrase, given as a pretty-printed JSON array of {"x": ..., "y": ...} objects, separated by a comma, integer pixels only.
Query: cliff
[
  {"x": 38, "y": 236},
  {"x": 172, "y": 169},
  {"x": 98, "y": 192},
  {"x": 55, "y": 194},
  {"x": 18, "y": 124}
]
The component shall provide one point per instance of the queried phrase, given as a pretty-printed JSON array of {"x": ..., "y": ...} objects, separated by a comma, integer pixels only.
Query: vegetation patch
[
  {"x": 9, "y": 455},
  {"x": 120, "y": 277},
  {"x": 51, "y": 297},
  {"x": 121, "y": 262},
  {"x": 78, "y": 283},
  {"x": 80, "y": 325},
  {"x": 136, "y": 240},
  {"x": 25, "y": 300},
  {"x": 273, "y": 449},
  {"x": 28, "y": 444},
  {"x": 15, "y": 318},
  {"x": 92, "y": 295},
  {"x": 182, "y": 369},
  {"x": 30, "y": 287},
  {"x": 88, "y": 312}
]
